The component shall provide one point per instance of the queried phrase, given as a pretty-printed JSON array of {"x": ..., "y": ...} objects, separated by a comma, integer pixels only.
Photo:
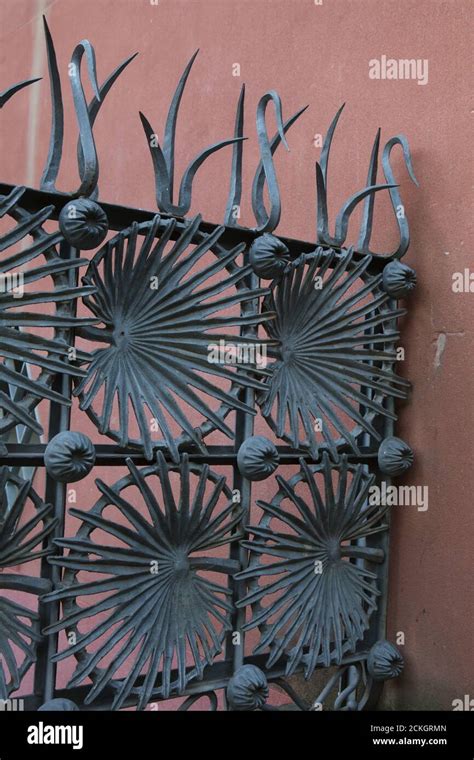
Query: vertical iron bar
[
  {"x": 55, "y": 493},
  {"x": 244, "y": 426}
]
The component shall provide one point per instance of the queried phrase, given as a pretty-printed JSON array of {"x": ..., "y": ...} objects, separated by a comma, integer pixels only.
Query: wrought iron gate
[{"x": 181, "y": 581}]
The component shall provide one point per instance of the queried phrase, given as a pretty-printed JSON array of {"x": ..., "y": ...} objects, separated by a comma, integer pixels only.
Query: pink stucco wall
[{"x": 316, "y": 54}]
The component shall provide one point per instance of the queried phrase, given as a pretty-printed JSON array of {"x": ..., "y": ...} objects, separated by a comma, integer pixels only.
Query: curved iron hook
[
  {"x": 259, "y": 180},
  {"x": 94, "y": 108},
  {"x": 51, "y": 169},
  {"x": 402, "y": 221},
  {"x": 90, "y": 171},
  {"x": 343, "y": 695},
  {"x": 367, "y": 219},
  {"x": 343, "y": 217},
  {"x": 267, "y": 222}
]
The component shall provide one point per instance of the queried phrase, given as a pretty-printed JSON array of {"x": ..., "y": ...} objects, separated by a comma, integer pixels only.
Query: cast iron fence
[{"x": 179, "y": 580}]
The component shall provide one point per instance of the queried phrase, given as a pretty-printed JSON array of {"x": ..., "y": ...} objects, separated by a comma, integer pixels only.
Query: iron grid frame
[
  {"x": 216, "y": 676},
  {"x": 359, "y": 626}
]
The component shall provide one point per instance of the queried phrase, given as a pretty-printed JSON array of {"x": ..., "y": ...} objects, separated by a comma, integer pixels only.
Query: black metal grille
[{"x": 164, "y": 577}]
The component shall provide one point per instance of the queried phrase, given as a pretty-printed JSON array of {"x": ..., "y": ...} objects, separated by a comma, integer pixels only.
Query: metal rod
[
  {"x": 122, "y": 217},
  {"x": 109, "y": 455},
  {"x": 55, "y": 493}
]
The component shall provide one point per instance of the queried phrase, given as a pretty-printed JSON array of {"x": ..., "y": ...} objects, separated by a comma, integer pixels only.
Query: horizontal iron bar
[
  {"x": 20, "y": 455},
  {"x": 216, "y": 676},
  {"x": 121, "y": 217}
]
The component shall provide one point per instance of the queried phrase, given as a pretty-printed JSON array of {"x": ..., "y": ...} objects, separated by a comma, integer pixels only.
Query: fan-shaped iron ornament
[
  {"x": 161, "y": 575},
  {"x": 22, "y": 540},
  {"x": 163, "y": 312},
  {"x": 335, "y": 353},
  {"x": 45, "y": 351},
  {"x": 164, "y": 347},
  {"x": 320, "y": 603}
]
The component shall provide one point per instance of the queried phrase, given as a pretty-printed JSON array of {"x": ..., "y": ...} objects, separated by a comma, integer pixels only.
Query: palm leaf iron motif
[
  {"x": 162, "y": 580},
  {"x": 158, "y": 338},
  {"x": 309, "y": 560},
  {"x": 21, "y": 541},
  {"x": 19, "y": 345},
  {"x": 333, "y": 369}
]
